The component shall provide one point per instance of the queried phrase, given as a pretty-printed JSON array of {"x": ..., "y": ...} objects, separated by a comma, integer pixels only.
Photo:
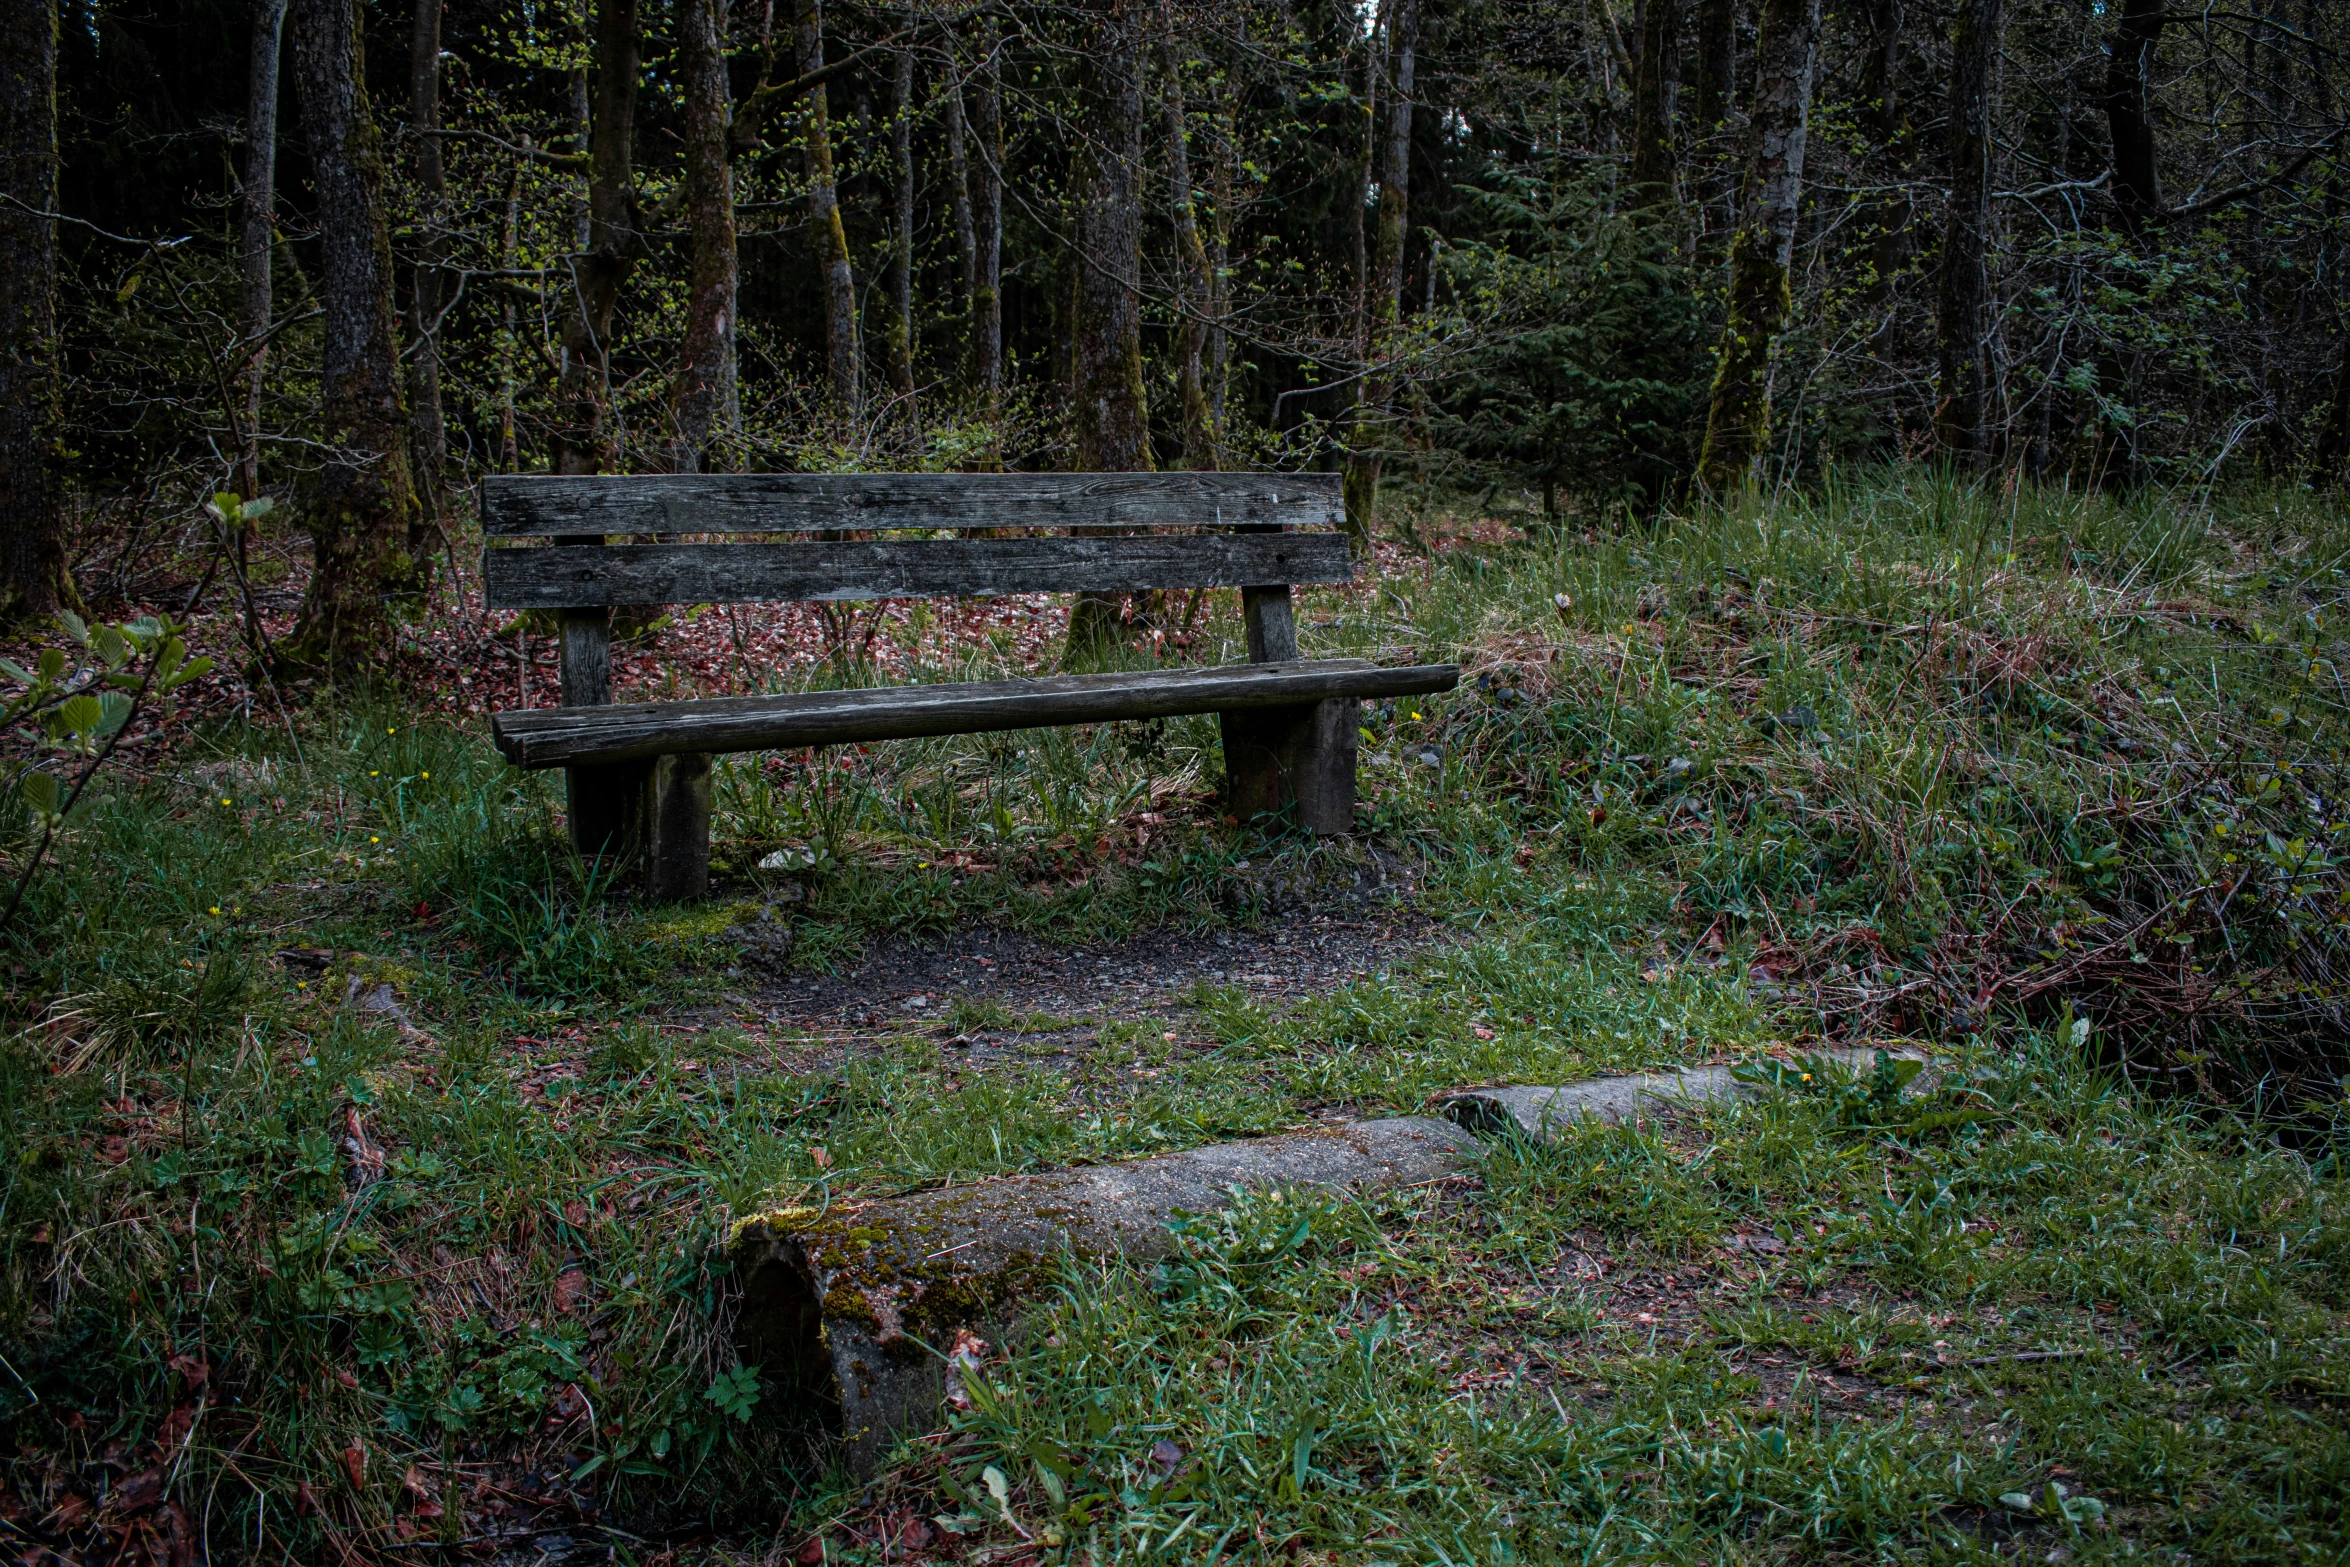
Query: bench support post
[
  {"x": 677, "y": 820},
  {"x": 1278, "y": 756},
  {"x": 600, "y": 802},
  {"x": 1275, "y": 757}
]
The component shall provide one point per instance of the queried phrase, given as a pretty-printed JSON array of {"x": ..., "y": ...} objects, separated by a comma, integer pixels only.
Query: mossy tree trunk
[
  {"x": 1963, "y": 320},
  {"x": 1884, "y": 116},
  {"x": 1717, "y": 61},
  {"x": 34, "y": 579},
  {"x": 429, "y": 427},
  {"x": 703, "y": 398},
  {"x": 842, "y": 364},
  {"x": 1656, "y": 83},
  {"x": 1384, "y": 310},
  {"x": 987, "y": 222},
  {"x": 257, "y": 229},
  {"x": 901, "y": 237},
  {"x": 1738, "y": 420},
  {"x": 1196, "y": 294},
  {"x": 1112, "y": 409},
  {"x": 585, "y": 440},
  {"x": 367, "y": 530}
]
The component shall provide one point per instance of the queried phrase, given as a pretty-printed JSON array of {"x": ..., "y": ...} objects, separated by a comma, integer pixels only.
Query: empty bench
[{"x": 638, "y": 773}]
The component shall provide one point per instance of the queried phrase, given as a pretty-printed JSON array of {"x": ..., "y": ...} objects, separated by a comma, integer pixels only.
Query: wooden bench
[{"x": 638, "y": 774}]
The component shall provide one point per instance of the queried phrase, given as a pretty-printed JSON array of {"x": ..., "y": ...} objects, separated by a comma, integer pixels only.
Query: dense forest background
[{"x": 354, "y": 255}]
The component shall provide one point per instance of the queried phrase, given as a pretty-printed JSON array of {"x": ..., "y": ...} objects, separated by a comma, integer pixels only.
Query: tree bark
[
  {"x": 1386, "y": 301},
  {"x": 1112, "y": 411},
  {"x": 1195, "y": 297},
  {"x": 1963, "y": 323},
  {"x": 34, "y": 580},
  {"x": 509, "y": 340},
  {"x": 257, "y": 229},
  {"x": 959, "y": 182},
  {"x": 831, "y": 238},
  {"x": 365, "y": 525},
  {"x": 1717, "y": 61},
  {"x": 1738, "y": 420},
  {"x": 901, "y": 250},
  {"x": 702, "y": 404},
  {"x": 1656, "y": 81},
  {"x": 430, "y": 437},
  {"x": 1884, "y": 112},
  {"x": 2129, "y": 116},
  {"x": 987, "y": 225},
  {"x": 585, "y": 440}
]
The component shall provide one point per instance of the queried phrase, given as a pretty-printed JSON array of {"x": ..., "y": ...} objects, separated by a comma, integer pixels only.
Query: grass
[{"x": 365, "y": 1155}]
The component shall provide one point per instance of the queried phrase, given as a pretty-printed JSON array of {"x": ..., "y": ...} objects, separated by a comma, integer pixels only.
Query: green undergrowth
[
  {"x": 2068, "y": 1288},
  {"x": 362, "y": 1148}
]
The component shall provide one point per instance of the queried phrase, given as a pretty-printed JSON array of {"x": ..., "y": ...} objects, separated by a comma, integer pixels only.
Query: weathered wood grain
[
  {"x": 556, "y": 737},
  {"x": 513, "y": 505},
  {"x": 523, "y": 578}
]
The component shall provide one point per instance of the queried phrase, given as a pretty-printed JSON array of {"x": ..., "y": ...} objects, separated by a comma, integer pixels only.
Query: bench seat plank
[
  {"x": 560, "y": 578},
  {"x": 570, "y": 736},
  {"x": 517, "y": 505}
]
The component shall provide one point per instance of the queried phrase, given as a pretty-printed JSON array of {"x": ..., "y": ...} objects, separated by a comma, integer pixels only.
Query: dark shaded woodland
[{"x": 354, "y": 255}]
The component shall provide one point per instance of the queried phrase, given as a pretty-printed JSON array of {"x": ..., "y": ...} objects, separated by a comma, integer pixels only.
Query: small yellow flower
[
  {"x": 301, "y": 984},
  {"x": 372, "y": 773},
  {"x": 216, "y": 908},
  {"x": 1807, "y": 1077},
  {"x": 424, "y": 775},
  {"x": 375, "y": 840},
  {"x": 224, "y": 799},
  {"x": 1415, "y": 716},
  {"x": 391, "y": 731}
]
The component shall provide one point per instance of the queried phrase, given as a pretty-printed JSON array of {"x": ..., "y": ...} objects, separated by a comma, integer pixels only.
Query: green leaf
[
  {"x": 194, "y": 669},
  {"x": 258, "y": 506},
  {"x": 75, "y": 627},
  {"x": 114, "y": 710},
  {"x": 42, "y": 792},
  {"x": 16, "y": 671},
  {"x": 79, "y": 715},
  {"x": 112, "y": 645},
  {"x": 52, "y": 665}
]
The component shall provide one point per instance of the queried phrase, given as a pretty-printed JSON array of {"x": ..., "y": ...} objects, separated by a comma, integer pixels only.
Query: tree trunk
[
  {"x": 430, "y": 438},
  {"x": 585, "y": 440},
  {"x": 365, "y": 525},
  {"x": 1717, "y": 61},
  {"x": 824, "y": 223},
  {"x": 1194, "y": 298},
  {"x": 1963, "y": 325},
  {"x": 702, "y": 403},
  {"x": 901, "y": 250},
  {"x": 2129, "y": 116},
  {"x": 1219, "y": 273},
  {"x": 257, "y": 228},
  {"x": 1656, "y": 80},
  {"x": 509, "y": 340},
  {"x": 1112, "y": 423},
  {"x": 959, "y": 182},
  {"x": 1884, "y": 112},
  {"x": 1386, "y": 303},
  {"x": 1738, "y": 422},
  {"x": 34, "y": 580},
  {"x": 987, "y": 226}
]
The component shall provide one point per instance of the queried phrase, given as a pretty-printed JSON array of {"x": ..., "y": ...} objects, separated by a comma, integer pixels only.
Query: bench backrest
[{"x": 1109, "y": 532}]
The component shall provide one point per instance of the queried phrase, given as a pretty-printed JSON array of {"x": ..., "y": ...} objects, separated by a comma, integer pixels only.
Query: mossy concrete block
[
  {"x": 1536, "y": 1111},
  {"x": 851, "y": 1311}
]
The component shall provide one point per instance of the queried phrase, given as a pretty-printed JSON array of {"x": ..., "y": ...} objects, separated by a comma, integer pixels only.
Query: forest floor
[{"x": 365, "y": 1165}]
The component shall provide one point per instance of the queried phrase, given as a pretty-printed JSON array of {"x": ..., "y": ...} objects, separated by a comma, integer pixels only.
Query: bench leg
[
  {"x": 677, "y": 815},
  {"x": 1275, "y": 757}
]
